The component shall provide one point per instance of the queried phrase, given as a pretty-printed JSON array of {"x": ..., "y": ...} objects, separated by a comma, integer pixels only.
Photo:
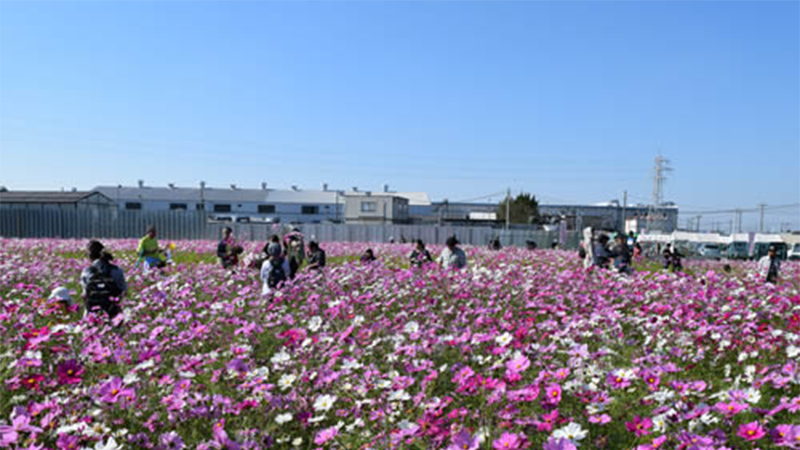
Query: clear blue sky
[{"x": 568, "y": 100}]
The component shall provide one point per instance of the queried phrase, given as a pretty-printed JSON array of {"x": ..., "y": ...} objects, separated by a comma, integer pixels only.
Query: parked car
[
  {"x": 736, "y": 250},
  {"x": 709, "y": 251},
  {"x": 794, "y": 254}
]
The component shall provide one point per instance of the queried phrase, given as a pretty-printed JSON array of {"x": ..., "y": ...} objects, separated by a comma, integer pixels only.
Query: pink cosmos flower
[
  {"x": 639, "y": 426},
  {"x": 780, "y": 435},
  {"x": 651, "y": 379},
  {"x": 601, "y": 419},
  {"x": 751, "y": 431},
  {"x": 9, "y": 434},
  {"x": 69, "y": 372},
  {"x": 616, "y": 381},
  {"x": 553, "y": 394},
  {"x": 730, "y": 409},
  {"x": 326, "y": 435},
  {"x": 463, "y": 441},
  {"x": 559, "y": 444},
  {"x": 508, "y": 441},
  {"x": 67, "y": 442},
  {"x": 114, "y": 391},
  {"x": 518, "y": 365}
]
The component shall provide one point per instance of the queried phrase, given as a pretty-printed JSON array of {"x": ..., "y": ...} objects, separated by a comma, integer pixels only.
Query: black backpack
[
  {"x": 100, "y": 285},
  {"x": 276, "y": 273}
]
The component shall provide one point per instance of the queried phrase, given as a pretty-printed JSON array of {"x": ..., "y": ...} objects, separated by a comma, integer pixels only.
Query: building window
[
  {"x": 177, "y": 206},
  {"x": 133, "y": 205},
  {"x": 266, "y": 209},
  {"x": 369, "y": 206},
  {"x": 222, "y": 208},
  {"x": 310, "y": 210},
  {"x": 200, "y": 206}
]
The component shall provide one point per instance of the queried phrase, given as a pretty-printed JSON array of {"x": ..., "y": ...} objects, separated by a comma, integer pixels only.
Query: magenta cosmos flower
[
  {"x": 639, "y": 426},
  {"x": 553, "y": 394},
  {"x": 751, "y": 431},
  {"x": 518, "y": 365},
  {"x": 69, "y": 372}
]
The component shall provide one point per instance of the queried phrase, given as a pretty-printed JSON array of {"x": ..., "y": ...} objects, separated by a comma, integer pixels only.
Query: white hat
[{"x": 61, "y": 294}]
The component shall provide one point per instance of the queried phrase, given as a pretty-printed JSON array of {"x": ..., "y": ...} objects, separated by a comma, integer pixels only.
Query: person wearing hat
[
  {"x": 103, "y": 283},
  {"x": 452, "y": 255},
  {"x": 275, "y": 270},
  {"x": 149, "y": 251},
  {"x": 769, "y": 267}
]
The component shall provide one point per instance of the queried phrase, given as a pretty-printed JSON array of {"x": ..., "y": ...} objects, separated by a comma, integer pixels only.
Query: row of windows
[{"x": 223, "y": 208}]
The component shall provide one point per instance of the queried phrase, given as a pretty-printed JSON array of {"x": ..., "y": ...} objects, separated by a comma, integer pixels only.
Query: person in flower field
[
  {"x": 769, "y": 267},
  {"x": 149, "y": 251},
  {"x": 452, "y": 255},
  {"x": 226, "y": 249},
  {"x": 622, "y": 255},
  {"x": 600, "y": 254},
  {"x": 275, "y": 270},
  {"x": 368, "y": 257},
  {"x": 316, "y": 256},
  {"x": 419, "y": 256},
  {"x": 103, "y": 283}
]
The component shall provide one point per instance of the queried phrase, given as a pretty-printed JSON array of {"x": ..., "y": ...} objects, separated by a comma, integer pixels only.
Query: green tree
[{"x": 524, "y": 209}]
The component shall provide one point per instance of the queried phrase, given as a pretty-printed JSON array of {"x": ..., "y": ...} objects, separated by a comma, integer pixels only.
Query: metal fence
[{"x": 97, "y": 223}]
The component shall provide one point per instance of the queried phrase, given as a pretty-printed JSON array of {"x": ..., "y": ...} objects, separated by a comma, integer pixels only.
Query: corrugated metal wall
[{"x": 105, "y": 223}]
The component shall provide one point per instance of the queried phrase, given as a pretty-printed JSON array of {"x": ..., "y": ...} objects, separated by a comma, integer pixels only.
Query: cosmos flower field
[{"x": 521, "y": 350}]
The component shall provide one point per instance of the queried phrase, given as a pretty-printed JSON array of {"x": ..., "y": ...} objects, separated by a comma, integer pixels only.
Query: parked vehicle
[
  {"x": 760, "y": 249},
  {"x": 736, "y": 250},
  {"x": 794, "y": 254},
  {"x": 709, "y": 251}
]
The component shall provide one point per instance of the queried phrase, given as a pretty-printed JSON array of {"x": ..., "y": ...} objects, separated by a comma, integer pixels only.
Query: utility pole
[
  {"x": 508, "y": 208},
  {"x": 625, "y": 212},
  {"x": 761, "y": 219},
  {"x": 697, "y": 224},
  {"x": 738, "y": 220}
]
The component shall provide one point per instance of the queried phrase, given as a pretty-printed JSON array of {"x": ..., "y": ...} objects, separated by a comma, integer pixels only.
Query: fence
[{"x": 96, "y": 223}]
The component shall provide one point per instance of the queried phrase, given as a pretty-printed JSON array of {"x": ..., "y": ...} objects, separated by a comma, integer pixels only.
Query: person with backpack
[
  {"x": 103, "y": 283},
  {"x": 275, "y": 270},
  {"x": 368, "y": 257}
]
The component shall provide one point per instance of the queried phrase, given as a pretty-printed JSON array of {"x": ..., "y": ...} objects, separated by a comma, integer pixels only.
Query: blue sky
[{"x": 568, "y": 100}]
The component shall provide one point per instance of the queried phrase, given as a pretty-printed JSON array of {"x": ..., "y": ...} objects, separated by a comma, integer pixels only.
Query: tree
[{"x": 524, "y": 209}]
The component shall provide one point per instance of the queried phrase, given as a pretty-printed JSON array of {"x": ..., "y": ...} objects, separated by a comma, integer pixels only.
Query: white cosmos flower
[
  {"x": 283, "y": 418},
  {"x": 752, "y": 396},
  {"x": 572, "y": 431},
  {"x": 411, "y": 327},
  {"x": 280, "y": 358},
  {"x": 504, "y": 339},
  {"x": 111, "y": 444},
  {"x": 286, "y": 381},
  {"x": 297, "y": 442},
  {"x": 314, "y": 323},
  {"x": 792, "y": 351},
  {"x": 324, "y": 402}
]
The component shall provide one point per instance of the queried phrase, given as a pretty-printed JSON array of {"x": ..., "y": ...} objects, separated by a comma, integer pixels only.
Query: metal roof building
[{"x": 54, "y": 200}]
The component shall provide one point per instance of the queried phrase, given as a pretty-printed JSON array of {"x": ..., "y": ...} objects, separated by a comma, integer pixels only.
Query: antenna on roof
[
  {"x": 171, "y": 185},
  {"x": 141, "y": 184},
  {"x": 233, "y": 186}
]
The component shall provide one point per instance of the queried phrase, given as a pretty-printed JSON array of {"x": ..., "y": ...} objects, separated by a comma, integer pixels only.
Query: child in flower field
[{"x": 274, "y": 271}]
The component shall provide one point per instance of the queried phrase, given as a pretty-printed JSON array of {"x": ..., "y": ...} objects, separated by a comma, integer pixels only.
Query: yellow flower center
[
  {"x": 750, "y": 432},
  {"x": 115, "y": 392},
  {"x": 554, "y": 394}
]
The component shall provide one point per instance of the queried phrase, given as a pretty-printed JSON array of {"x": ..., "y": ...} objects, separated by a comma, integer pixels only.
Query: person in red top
[{"x": 227, "y": 250}]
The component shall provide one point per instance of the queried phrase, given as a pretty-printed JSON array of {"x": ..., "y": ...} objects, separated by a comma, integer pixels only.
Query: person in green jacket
[{"x": 149, "y": 251}]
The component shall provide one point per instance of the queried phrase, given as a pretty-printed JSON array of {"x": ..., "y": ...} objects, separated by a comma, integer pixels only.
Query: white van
[{"x": 794, "y": 253}]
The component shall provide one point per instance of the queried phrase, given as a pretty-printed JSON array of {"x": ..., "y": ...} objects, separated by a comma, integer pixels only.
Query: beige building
[{"x": 368, "y": 207}]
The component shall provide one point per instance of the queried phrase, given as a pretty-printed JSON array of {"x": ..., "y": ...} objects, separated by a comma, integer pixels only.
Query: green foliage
[{"x": 524, "y": 209}]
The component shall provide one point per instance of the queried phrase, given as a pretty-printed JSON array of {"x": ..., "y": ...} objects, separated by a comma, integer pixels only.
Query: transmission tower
[{"x": 660, "y": 168}]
